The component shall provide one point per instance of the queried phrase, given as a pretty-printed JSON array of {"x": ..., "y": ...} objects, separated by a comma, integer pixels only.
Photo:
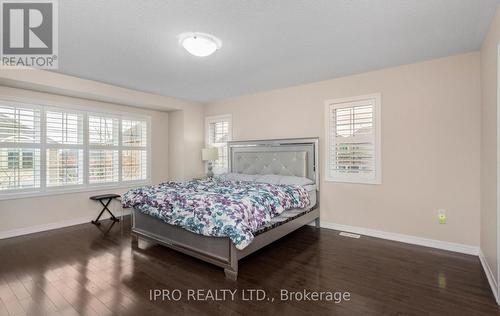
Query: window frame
[
  {"x": 338, "y": 103},
  {"x": 44, "y": 189},
  {"x": 214, "y": 119}
]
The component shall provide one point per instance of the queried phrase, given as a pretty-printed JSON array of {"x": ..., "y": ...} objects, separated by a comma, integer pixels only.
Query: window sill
[{"x": 73, "y": 190}]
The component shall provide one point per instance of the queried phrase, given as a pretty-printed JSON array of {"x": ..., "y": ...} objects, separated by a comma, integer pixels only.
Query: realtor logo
[{"x": 29, "y": 34}]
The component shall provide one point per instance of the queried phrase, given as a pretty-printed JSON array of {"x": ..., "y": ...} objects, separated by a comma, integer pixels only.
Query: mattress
[{"x": 289, "y": 215}]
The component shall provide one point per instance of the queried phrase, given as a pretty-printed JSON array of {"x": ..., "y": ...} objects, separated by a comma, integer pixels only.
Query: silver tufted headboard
[{"x": 287, "y": 157}]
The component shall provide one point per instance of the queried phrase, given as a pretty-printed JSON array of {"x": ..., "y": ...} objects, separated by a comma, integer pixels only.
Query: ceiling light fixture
[{"x": 200, "y": 44}]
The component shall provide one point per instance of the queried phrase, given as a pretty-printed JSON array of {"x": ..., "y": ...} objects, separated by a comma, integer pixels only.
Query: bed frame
[{"x": 290, "y": 157}]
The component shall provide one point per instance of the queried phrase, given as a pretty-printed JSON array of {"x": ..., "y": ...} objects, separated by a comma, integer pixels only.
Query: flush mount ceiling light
[{"x": 200, "y": 44}]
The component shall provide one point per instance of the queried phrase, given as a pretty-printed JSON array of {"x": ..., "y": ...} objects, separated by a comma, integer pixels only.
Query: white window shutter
[
  {"x": 353, "y": 140},
  {"x": 134, "y": 150},
  {"x": 20, "y": 133},
  {"x": 134, "y": 165},
  {"x": 218, "y": 131},
  {"x": 19, "y": 124},
  {"x": 64, "y": 142},
  {"x": 19, "y": 168},
  {"x": 134, "y": 133},
  {"x": 64, "y": 167},
  {"x": 47, "y": 149},
  {"x": 103, "y": 166},
  {"x": 103, "y": 130},
  {"x": 65, "y": 128}
]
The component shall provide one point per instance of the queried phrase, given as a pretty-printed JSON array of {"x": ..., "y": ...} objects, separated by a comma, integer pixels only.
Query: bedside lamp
[{"x": 209, "y": 154}]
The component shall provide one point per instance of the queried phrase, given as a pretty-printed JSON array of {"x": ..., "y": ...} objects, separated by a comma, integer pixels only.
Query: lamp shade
[{"x": 209, "y": 154}]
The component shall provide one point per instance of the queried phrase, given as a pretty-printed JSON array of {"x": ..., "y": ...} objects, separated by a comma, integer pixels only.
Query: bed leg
[
  {"x": 317, "y": 223},
  {"x": 231, "y": 272},
  {"x": 135, "y": 241}
]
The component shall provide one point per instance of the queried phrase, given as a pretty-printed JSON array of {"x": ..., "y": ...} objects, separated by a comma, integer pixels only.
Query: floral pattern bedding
[{"x": 216, "y": 207}]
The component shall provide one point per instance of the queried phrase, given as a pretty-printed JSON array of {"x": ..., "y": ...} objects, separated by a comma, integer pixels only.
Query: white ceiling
[{"x": 267, "y": 44}]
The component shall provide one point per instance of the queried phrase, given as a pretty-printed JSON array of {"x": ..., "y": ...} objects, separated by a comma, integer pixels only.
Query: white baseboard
[
  {"x": 51, "y": 226},
  {"x": 461, "y": 248},
  {"x": 489, "y": 275}
]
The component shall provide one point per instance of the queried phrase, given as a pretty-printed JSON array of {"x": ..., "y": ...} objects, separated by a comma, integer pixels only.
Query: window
[
  {"x": 103, "y": 149},
  {"x": 64, "y": 167},
  {"x": 46, "y": 148},
  {"x": 64, "y": 142},
  {"x": 20, "y": 146},
  {"x": 103, "y": 166},
  {"x": 27, "y": 160},
  {"x": 353, "y": 140},
  {"x": 134, "y": 133},
  {"x": 16, "y": 174},
  {"x": 134, "y": 155},
  {"x": 133, "y": 165},
  {"x": 218, "y": 133},
  {"x": 103, "y": 130}
]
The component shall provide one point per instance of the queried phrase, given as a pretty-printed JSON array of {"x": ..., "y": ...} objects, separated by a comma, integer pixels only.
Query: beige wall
[
  {"x": 176, "y": 145},
  {"x": 489, "y": 147},
  {"x": 193, "y": 141},
  {"x": 39, "y": 211},
  {"x": 185, "y": 133},
  {"x": 430, "y": 138}
]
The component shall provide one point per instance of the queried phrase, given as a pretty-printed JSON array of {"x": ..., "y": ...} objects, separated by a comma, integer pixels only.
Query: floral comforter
[{"x": 216, "y": 207}]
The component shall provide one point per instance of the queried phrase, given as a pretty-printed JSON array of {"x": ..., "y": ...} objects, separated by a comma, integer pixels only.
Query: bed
[{"x": 268, "y": 158}]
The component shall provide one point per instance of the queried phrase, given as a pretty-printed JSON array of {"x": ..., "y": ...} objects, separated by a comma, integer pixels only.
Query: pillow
[
  {"x": 237, "y": 177},
  {"x": 269, "y": 178},
  {"x": 292, "y": 180},
  {"x": 278, "y": 179}
]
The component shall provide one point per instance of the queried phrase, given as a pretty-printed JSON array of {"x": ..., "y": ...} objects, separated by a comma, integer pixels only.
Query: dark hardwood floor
[{"x": 83, "y": 270}]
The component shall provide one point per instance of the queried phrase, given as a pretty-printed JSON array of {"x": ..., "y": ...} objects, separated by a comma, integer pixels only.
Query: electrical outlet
[{"x": 442, "y": 216}]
